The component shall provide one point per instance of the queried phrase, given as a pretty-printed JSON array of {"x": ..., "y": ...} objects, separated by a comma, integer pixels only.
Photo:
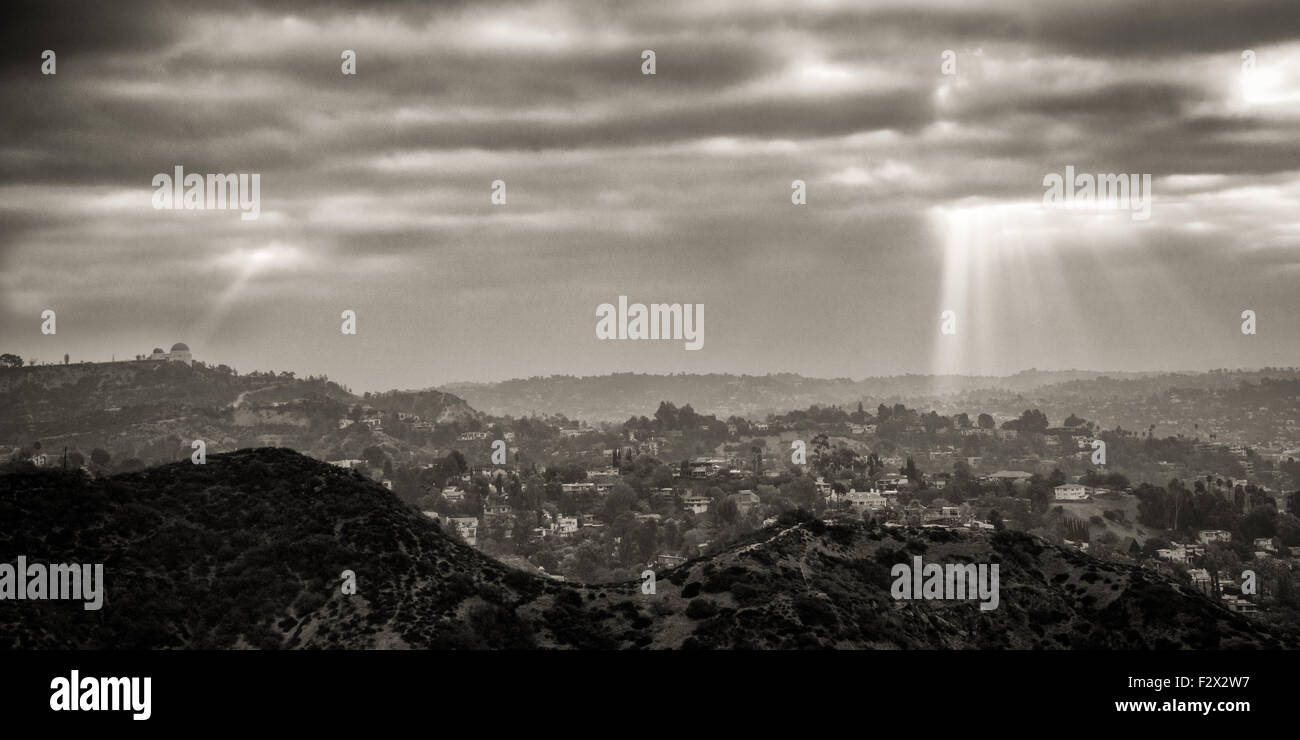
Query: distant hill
[
  {"x": 154, "y": 410},
  {"x": 247, "y": 551},
  {"x": 432, "y": 405},
  {"x": 46, "y": 393},
  {"x": 616, "y": 397}
]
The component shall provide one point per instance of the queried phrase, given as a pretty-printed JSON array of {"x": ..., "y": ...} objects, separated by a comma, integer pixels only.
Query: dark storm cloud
[{"x": 82, "y": 30}]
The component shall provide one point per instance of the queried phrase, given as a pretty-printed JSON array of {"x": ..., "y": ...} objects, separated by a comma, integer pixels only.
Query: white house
[
  {"x": 1206, "y": 536},
  {"x": 1071, "y": 492},
  {"x": 1175, "y": 554},
  {"x": 868, "y": 500},
  {"x": 697, "y": 504}
]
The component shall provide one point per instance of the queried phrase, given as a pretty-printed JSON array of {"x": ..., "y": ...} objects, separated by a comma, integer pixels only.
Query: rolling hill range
[
  {"x": 154, "y": 410},
  {"x": 248, "y": 551},
  {"x": 620, "y": 395}
]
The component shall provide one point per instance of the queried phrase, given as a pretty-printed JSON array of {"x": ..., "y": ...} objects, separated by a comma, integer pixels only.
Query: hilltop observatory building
[{"x": 180, "y": 353}]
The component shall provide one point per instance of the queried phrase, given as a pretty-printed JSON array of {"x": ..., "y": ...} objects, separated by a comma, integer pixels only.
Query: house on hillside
[
  {"x": 1206, "y": 536},
  {"x": 696, "y": 504},
  {"x": 667, "y": 560},
  {"x": 1239, "y": 605},
  {"x": 1070, "y": 492},
  {"x": 466, "y": 527},
  {"x": 866, "y": 500}
]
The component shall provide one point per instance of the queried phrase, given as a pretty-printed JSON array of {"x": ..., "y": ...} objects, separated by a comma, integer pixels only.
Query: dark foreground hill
[{"x": 247, "y": 551}]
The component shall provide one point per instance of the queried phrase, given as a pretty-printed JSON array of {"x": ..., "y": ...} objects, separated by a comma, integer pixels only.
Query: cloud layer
[{"x": 924, "y": 189}]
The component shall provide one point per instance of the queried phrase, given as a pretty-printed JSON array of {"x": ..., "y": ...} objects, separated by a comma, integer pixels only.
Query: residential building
[
  {"x": 866, "y": 500},
  {"x": 1071, "y": 492},
  {"x": 668, "y": 561},
  {"x": 466, "y": 526},
  {"x": 1206, "y": 536},
  {"x": 696, "y": 504}
]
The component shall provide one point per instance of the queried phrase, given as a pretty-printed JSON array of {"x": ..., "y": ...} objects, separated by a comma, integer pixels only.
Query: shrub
[
  {"x": 812, "y": 610},
  {"x": 722, "y": 580},
  {"x": 701, "y": 608},
  {"x": 661, "y": 608}
]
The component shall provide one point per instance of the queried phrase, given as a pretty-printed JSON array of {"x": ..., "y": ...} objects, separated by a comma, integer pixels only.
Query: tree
[
  {"x": 802, "y": 492},
  {"x": 666, "y": 416},
  {"x": 911, "y": 472},
  {"x": 961, "y": 472},
  {"x": 1040, "y": 496},
  {"x": 461, "y": 465},
  {"x": 620, "y": 500},
  {"x": 985, "y": 421},
  {"x": 100, "y": 457},
  {"x": 374, "y": 455},
  {"x": 1288, "y": 528},
  {"x": 1057, "y": 478},
  {"x": 131, "y": 465},
  {"x": 587, "y": 562},
  {"x": 8, "y": 360},
  {"x": 727, "y": 511},
  {"x": 1031, "y": 420}
]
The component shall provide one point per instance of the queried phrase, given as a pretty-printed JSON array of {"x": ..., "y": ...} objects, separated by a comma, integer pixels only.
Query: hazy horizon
[{"x": 303, "y": 372}]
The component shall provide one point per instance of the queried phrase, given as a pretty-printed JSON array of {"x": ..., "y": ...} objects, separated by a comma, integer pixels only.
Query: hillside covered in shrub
[{"x": 248, "y": 551}]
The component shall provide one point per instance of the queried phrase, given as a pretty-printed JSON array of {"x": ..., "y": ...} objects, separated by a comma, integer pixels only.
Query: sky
[{"x": 923, "y": 170}]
